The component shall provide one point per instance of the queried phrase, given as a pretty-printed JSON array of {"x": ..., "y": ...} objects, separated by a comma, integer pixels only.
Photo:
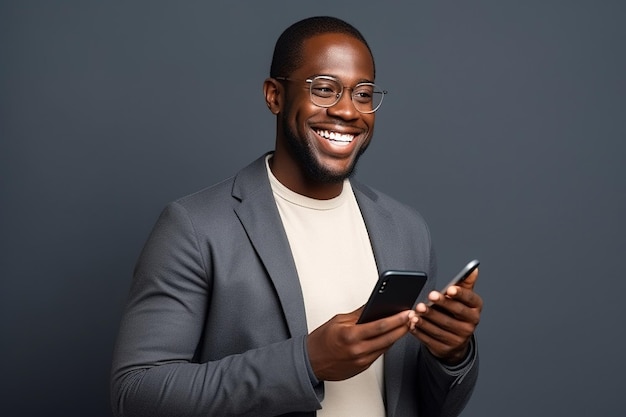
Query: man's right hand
[{"x": 340, "y": 349}]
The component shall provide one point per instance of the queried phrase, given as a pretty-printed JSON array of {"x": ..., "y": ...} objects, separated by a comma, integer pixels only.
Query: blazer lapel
[
  {"x": 383, "y": 231},
  {"x": 260, "y": 218},
  {"x": 381, "y": 227}
]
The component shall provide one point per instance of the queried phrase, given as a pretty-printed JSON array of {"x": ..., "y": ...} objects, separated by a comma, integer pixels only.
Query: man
[{"x": 234, "y": 304}]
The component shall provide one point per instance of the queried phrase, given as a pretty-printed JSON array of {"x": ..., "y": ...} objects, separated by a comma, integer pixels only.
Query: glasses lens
[
  {"x": 367, "y": 97},
  {"x": 325, "y": 91}
]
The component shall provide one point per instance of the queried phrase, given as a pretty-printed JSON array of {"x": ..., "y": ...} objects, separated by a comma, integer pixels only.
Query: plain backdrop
[{"x": 505, "y": 126}]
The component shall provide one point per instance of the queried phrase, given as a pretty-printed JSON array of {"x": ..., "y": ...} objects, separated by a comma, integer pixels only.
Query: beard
[{"x": 303, "y": 152}]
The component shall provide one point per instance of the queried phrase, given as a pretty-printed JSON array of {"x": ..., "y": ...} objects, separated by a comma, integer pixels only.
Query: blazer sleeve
[
  {"x": 444, "y": 391},
  {"x": 155, "y": 372}
]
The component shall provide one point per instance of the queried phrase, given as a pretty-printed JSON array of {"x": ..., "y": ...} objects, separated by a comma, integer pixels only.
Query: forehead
[{"x": 336, "y": 54}]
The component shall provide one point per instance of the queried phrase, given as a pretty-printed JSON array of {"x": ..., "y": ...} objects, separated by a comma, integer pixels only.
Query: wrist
[{"x": 457, "y": 357}]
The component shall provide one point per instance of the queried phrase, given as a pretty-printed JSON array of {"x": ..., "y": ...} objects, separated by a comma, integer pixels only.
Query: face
[{"x": 317, "y": 148}]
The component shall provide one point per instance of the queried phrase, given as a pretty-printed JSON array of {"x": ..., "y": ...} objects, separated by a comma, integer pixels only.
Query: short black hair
[{"x": 288, "y": 50}]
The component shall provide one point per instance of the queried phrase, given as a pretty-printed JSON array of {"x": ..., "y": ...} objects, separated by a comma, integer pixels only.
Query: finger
[
  {"x": 466, "y": 296},
  {"x": 381, "y": 343},
  {"x": 363, "y": 344},
  {"x": 441, "y": 302},
  {"x": 447, "y": 307},
  {"x": 438, "y": 346},
  {"x": 438, "y": 323},
  {"x": 470, "y": 281},
  {"x": 399, "y": 321},
  {"x": 436, "y": 337}
]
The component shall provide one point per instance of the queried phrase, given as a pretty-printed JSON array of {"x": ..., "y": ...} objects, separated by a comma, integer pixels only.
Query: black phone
[
  {"x": 394, "y": 292},
  {"x": 460, "y": 277}
]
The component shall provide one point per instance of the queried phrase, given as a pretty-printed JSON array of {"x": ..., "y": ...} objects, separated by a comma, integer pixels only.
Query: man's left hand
[{"x": 446, "y": 326}]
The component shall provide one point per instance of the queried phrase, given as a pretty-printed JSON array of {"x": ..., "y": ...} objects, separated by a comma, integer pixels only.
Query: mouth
[{"x": 336, "y": 137}]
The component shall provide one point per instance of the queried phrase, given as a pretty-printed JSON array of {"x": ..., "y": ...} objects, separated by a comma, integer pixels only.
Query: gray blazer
[{"x": 215, "y": 323}]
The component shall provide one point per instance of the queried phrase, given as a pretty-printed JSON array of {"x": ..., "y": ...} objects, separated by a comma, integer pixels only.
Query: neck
[{"x": 293, "y": 178}]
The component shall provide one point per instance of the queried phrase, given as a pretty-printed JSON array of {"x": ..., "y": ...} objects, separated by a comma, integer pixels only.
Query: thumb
[{"x": 470, "y": 281}]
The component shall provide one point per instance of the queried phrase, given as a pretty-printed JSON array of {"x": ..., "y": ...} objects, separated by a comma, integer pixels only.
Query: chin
[
  {"x": 324, "y": 173},
  {"x": 317, "y": 166}
]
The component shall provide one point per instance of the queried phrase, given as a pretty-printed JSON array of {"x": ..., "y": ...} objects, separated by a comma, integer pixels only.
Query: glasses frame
[{"x": 377, "y": 89}]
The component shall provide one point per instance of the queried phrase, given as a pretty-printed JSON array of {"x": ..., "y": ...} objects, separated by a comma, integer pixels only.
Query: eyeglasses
[{"x": 326, "y": 91}]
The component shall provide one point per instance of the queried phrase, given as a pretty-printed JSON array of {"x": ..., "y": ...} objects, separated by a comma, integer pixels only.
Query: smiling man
[{"x": 246, "y": 296}]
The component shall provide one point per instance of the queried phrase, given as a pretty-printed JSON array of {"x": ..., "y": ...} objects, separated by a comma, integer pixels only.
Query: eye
[
  {"x": 324, "y": 91},
  {"x": 363, "y": 93},
  {"x": 325, "y": 88}
]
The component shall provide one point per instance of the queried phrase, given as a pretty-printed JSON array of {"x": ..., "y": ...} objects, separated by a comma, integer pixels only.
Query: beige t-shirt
[{"x": 337, "y": 271}]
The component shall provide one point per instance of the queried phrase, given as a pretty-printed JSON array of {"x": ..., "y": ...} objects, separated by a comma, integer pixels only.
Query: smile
[{"x": 335, "y": 136}]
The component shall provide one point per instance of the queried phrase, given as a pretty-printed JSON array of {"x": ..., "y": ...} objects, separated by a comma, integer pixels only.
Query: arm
[{"x": 156, "y": 371}]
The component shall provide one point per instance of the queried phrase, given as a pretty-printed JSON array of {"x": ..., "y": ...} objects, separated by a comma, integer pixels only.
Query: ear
[{"x": 273, "y": 92}]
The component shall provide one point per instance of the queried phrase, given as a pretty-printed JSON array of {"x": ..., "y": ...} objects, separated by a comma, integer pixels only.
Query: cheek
[
  {"x": 369, "y": 121},
  {"x": 304, "y": 115}
]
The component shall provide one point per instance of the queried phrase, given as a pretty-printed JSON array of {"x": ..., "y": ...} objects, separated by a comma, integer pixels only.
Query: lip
[
  {"x": 337, "y": 129},
  {"x": 342, "y": 129}
]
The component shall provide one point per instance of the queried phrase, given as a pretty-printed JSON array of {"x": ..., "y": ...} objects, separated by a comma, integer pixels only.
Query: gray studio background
[{"x": 504, "y": 125}]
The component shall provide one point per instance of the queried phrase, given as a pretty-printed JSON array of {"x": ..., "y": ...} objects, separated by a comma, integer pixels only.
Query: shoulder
[
  {"x": 213, "y": 197},
  {"x": 251, "y": 182}
]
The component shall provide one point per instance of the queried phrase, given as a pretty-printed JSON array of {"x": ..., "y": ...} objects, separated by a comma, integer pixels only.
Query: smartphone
[
  {"x": 394, "y": 292},
  {"x": 460, "y": 277}
]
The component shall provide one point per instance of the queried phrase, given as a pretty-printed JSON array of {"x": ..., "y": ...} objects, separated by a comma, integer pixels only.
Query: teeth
[{"x": 336, "y": 136}]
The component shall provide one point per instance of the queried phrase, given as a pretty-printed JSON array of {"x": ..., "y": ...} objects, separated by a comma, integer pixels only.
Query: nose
[{"x": 344, "y": 108}]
